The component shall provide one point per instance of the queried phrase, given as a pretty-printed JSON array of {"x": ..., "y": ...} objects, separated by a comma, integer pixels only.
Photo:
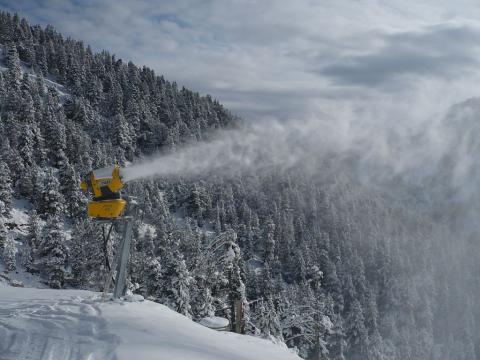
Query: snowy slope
[{"x": 75, "y": 324}]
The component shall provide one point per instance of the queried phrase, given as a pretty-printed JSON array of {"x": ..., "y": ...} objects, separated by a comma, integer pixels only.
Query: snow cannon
[{"x": 104, "y": 184}]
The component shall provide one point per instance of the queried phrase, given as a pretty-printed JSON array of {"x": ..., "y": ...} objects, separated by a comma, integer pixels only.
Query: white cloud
[{"x": 284, "y": 58}]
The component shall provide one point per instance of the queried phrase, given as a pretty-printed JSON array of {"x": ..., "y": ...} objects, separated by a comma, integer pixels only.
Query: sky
[{"x": 286, "y": 59}]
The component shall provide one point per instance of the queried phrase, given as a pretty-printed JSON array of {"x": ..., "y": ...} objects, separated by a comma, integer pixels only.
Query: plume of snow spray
[
  {"x": 381, "y": 143},
  {"x": 254, "y": 147}
]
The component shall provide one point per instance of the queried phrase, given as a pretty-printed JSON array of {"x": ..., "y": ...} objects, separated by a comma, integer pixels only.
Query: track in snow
[{"x": 65, "y": 329}]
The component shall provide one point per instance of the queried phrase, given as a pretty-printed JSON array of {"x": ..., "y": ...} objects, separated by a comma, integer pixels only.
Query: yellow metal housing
[
  {"x": 106, "y": 209},
  {"x": 116, "y": 184},
  {"x": 84, "y": 186},
  {"x": 105, "y": 185}
]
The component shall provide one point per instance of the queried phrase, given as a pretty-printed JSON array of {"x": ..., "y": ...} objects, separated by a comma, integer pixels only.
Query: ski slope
[{"x": 50, "y": 324}]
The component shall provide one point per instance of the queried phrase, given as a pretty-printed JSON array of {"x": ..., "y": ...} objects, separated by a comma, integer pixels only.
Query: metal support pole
[{"x": 120, "y": 280}]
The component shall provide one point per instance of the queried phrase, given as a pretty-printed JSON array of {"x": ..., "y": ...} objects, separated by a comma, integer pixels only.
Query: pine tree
[
  {"x": 75, "y": 201},
  {"x": 337, "y": 345},
  {"x": 29, "y": 184},
  {"x": 13, "y": 77},
  {"x": 34, "y": 239},
  {"x": 51, "y": 203},
  {"x": 26, "y": 113},
  {"x": 88, "y": 256},
  {"x": 54, "y": 252},
  {"x": 153, "y": 277},
  {"x": 41, "y": 59},
  {"x": 3, "y": 229},
  {"x": 5, "y": 189},
  {"x": 9, "y": 252},
  {"x": 269, "y": 257},
  {"x": 10, "y": 154},
  {"x": 26, "y": 184},
  {"x": 269, "y": 322},
  {"x": 181, "y": 289},
  {"x": 357, "y": 335},
  {"x": 53, "y": 122},
  {"x": 181, "y": 282},
  {"x": 27, "y": 146},
  {"x": 203, "y": 304},
  {"x": 218, "y": 220},
  {"x": 40, "y": 148}
]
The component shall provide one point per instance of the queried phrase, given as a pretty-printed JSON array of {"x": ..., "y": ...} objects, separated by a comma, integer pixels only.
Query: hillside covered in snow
[{"x": 48, "y": 324}]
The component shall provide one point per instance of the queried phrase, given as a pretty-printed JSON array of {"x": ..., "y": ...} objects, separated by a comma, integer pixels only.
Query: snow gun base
[{"x": 106, "y": 209}]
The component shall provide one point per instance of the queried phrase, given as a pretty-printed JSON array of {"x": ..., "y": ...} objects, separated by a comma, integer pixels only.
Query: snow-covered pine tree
[
  {"x": 357, "y": 334},
  {"x": 122, "y": 138},
  {"x": 51, "y": 202},
  {"x": 87, "y": 255},
  {"x": 177, "y": 285},
  {"x": 10, "y": 154},
  {"x": 269, "y": 320},
  {"x": 27, "y": 110},
  {"x": 337, "y": 344},
  {"x": 41, "y": 60},
  {"x": 3, "y": 229},
  {"x": 9, "y": 252},
  {"x": 181, "y": 281},
  {"x": 33, "y": 239},
  {"x": 5, "y": 189},
  {"x": 53, "y": 252},
  {"x": 144, "y": 266},
  {"x": 13, "y": 78},
  {"x": 30, "y": 171},
  {"x": 148, "y": 243},
  {"x": 218, "y": 219},
  {"x": 152, "y": 277},
  {"x": 27, "y": 146},
  {"x": 269, "y": 256},
  {"x": 203, "y": 305},
  {"x": 75, "y": 201},
  {"x": 53, "y": 126},
  {"x": 40, "y": 154}
]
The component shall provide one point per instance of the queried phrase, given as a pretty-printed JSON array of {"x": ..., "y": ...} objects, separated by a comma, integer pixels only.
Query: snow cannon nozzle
[{"x": 104, "y": 184}]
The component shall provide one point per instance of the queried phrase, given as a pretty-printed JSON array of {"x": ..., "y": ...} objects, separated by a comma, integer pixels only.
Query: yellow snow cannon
[{"x": 105, "y": 185}]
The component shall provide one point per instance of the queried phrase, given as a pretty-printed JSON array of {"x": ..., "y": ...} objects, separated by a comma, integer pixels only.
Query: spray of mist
[
  {"x": 382, "y": 146},
  {"x": 384, "y": 150},
  {"x": 270, "y": 144}
]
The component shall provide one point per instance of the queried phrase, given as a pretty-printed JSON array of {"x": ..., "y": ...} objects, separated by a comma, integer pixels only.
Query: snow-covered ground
[{"x": 74, "y": 324}]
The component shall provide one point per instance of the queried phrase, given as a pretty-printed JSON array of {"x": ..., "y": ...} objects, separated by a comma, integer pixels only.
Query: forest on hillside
[{"x": 321, "y": 262}]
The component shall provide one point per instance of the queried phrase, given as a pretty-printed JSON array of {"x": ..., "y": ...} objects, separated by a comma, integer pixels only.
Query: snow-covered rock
[
  {"x": 214, "y": 322},
  {"x": 133, "y": 298}
]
